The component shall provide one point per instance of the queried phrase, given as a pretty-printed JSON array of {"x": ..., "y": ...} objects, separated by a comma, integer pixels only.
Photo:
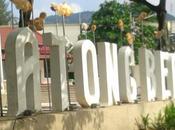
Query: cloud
[
  {"x": 154, "y": 2},
  {"x": 75, "y": 7}
]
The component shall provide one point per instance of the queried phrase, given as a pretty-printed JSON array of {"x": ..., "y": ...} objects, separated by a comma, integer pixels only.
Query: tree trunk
[{"x": 161, "y": 17}]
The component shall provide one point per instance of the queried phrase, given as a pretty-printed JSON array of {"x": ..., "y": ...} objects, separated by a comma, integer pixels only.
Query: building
[
  {"x": 171, "y": 23},
  {"x": 171, "y": 27},
  {"x": 72, "y": 31}
]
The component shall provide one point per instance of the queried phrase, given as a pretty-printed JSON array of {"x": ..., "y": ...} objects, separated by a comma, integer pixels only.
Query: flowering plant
[
  {"x": 24, "y": 5},
  {"x": 130, "y": 38},
  {"x": 120, "y": 24},
  {"x": 62, "y": 9}
]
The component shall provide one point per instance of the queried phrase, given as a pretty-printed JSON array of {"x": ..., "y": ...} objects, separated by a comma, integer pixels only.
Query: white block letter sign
[
  {"x": 86, "y": 73},
  {"x": 147, "y": 75},
  {"x": 128, "y": 86},
  {"x": 22, "y": 68},
  {"x": 58, "y": 71},
  {"x": 108, "y": 73}
]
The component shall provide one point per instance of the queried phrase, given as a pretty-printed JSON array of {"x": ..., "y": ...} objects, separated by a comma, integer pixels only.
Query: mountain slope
[{"x": 73, "y": 19}]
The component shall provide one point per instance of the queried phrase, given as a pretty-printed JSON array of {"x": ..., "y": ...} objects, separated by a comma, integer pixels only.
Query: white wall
[
  {"x": 72, "y": 30},
  {"x": 173, "y": 26}
]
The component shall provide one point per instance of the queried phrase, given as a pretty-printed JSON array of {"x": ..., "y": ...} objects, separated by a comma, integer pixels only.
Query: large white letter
[
  {"x": 1, "y": 71},
  {"x": 22, "y": 69},
  {"x": 147, "y": 75},
  {"x": 58, "y": 71},
  {"x": 163, "y": 91},
  {"x": 86, "y": 73},
  {"x": 171, "y": 74},
  {"x": 108, "y": 73},
  {"x": 128, "y": 87}
]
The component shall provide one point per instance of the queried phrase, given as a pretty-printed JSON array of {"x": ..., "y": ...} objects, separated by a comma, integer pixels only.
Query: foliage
[
  {"x": 106, "y": 20},
  {"x": 144, "y": 124},
  {"x": 136, "y": 8},
  {"x": 158, "y": 123},
  {"x": 107, "y": 17},
  {"x": 4, "y": 14},
  {"x": 163, "y": 121},
  {"x": 148, "y": 40},
  {"x": 170, "y": 116}
]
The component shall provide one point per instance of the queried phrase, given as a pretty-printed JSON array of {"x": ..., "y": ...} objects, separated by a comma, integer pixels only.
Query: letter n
[{"x": 108, "y": 73}]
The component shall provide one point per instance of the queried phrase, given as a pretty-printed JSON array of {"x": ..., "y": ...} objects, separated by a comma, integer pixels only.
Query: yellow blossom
[
  {"x": 93, "y": 27},
  {"x": 130, "y": 38},
  {"x": 158, "y": 34},
  {"x": 24, "y": 5},
  {"x": 120, "y": 24},
  {"x": 64, "y": 9},
  {"x": 142, "y": 16}
]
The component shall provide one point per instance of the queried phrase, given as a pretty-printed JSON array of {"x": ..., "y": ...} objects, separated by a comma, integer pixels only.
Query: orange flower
[
  {"x": 93, "y": 27},
  {"x": 24, "y": 5},
  {"x": 38, "y": 23},
  {"x": 158, "y": 34},
  {"x": 130, "y": 38},
  {"x": 142, "y": 16},
  {"x": 43, "y": 15},
  {"x": 120, "y": 24},
  {"x": 63, "y": 9}
]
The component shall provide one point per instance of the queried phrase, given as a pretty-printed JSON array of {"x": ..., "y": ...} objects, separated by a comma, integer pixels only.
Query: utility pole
[
  {"x": 79, "y": 17},
  {"x": 171, "y": 9},
  {"x": 12, "y": 16}
]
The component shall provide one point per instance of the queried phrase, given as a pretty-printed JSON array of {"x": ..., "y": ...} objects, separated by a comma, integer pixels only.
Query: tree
[
  {"x": 107, "y": 17},
  {"x": 160, "y": 10},
  {"x": 4, "y": 13}
]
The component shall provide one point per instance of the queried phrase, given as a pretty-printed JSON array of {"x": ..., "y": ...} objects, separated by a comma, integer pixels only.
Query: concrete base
[{"x": 109, "y": 118}]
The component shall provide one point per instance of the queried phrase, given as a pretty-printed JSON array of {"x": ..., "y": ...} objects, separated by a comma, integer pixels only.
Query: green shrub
[
  {"x": 158, "y": 123},
  {"x": 144, "y": 123},
  {"x": 169, "y": 115},
  {"x": 163, "y": 121}
]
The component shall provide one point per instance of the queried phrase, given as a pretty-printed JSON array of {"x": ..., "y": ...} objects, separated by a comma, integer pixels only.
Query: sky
[{"x": 85, "y": 5}]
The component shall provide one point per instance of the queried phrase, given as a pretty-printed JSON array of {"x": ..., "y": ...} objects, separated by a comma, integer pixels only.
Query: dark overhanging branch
[{"x": 160, "y": 10}]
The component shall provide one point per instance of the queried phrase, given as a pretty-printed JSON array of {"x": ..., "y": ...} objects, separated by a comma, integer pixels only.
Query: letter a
[{"x": 22, "y": 70}]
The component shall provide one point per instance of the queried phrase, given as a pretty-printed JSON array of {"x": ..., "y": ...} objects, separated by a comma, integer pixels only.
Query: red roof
[{"x": 5, "y": 30}]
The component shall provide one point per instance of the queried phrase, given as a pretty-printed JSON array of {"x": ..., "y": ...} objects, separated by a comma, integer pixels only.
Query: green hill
[{"x": 73, "y": 19}]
